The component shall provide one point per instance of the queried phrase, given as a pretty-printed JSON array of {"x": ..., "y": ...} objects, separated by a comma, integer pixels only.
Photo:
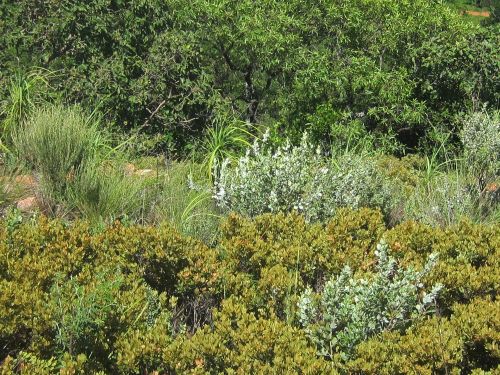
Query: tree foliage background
[{"x": 172, "y": 67}]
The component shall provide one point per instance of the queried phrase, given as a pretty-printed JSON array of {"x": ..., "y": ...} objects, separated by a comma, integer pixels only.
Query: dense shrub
[
  {"x": 299, "y": 178},
  {"x": 241, "y": 343},
  {"x": 353, "y": 236},
  {"x": 136, "y": 299},
  {"x": 74, "y": 293},
  {"x": 466, "y": 341},
  {"x": 351, "y": 310},
  {"x": 468, "y": 257}
]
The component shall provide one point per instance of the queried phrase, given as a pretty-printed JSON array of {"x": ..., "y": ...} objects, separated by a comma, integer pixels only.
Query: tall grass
[
  {"x": 71, "y": 158},
  {"x": 442, "y": 200},
  {"x": 80, "y": 174},
  {"x": 57, "y": 143},
  {"x": 101, "y": 192},
  {"x": 453, "y": 185},
  {"x": 3, "y": 194},
  {"x": 188, "y": 208},
  {"x": 26, "y": 92}
]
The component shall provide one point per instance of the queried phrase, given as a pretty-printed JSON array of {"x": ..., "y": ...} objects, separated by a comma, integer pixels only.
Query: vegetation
[
  {"x": 315, "y": 67},
  {"x": 249, "y": 187},
  {"x": 135, "y": 299}
]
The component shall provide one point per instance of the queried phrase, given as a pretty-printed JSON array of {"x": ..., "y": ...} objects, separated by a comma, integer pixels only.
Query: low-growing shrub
[
  {"x": 240, "y": 342},
  {"x": 268, "y": 261},
  {"x": 66, "y": 292},
  {"x": 299, "y": 178},
  {"x": 131, "y": 299},
  {"x": 252, "y": 251},
  {"x": 353, "y": 236},
  {"x": 465, "y": 342},
  {"x": 351, "y": 310},
  {"x": 468, "y": 264}
]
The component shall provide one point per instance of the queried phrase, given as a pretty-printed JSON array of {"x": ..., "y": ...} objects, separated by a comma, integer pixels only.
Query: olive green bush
[
  {"x": 73, "y": 294},
  {"x": 467, "y": 340},
  {"x": 132, "y": 299},
  {"x": 240, "y": 342}
]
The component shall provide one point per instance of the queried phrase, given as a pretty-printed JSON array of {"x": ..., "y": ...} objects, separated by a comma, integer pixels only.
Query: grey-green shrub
[
  {"x": 480, "y": 137},
  {"x": 299, "y": 178},
  {"x": 351, "y": 309}
]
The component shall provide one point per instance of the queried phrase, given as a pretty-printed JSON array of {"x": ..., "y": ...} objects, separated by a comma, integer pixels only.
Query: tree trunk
[{"x": 250, "y": 97}]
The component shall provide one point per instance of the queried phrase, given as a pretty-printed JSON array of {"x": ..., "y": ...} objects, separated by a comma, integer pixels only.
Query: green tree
[{"x": 172, "y": 67}]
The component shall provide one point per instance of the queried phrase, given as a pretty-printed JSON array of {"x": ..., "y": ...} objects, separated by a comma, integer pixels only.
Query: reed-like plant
[
  {"x": 27, "y": 91},
  {"x": 183, "y": 198},
  {"x": 224, "y": 141},
  {"x": 101, "y": 192},
  {"x": 56, "y": 143}
]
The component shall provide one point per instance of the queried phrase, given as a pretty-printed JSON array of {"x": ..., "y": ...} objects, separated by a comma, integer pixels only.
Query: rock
[
  {"x": 18, "y": 183},
  {"x": 27, "y": 204},
  {"x": 477, "y": 13},
  {"x": 492, "y": 187},
  {"x": 144, "y": 172},
  {"x": 26, "y": 181},
  {"x": 129, "y": 169}
]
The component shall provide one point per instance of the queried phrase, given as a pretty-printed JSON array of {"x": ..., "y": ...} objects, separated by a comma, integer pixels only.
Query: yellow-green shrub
[
  {"x": 353, "y": 236},
  {"x": 468, "y": 340},
  {"x": 412, "y": 241},
  {"x": 64, "y": 289},
  {"x": 30, "y": 259},
  {"x": 241, "y": 343},
  {"x": 250, "y": 248},
  {"x": 468, "y": 256},
  {"x": 149, "y": 299}
]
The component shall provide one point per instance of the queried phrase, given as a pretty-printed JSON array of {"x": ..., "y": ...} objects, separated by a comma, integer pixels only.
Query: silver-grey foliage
[
  {"x": 299, "y": 178},
  {"x": 350, "y": 310},
  {"x": 481, "y": 141}
]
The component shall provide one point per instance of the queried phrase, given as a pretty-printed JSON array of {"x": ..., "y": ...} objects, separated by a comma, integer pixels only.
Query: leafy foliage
[
  {"x": 351, "y": 310},
  {"x": 131, "y": 299},
  {"x": 298, "y": 178},
  {"x": 171, "y": 68}
]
